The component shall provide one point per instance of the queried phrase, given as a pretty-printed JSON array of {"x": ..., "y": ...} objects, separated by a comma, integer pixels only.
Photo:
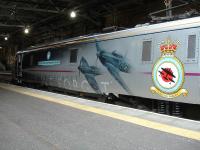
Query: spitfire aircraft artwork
[
  {"x": 90, "y": 72},
  {"x": 115, "y": 63}
]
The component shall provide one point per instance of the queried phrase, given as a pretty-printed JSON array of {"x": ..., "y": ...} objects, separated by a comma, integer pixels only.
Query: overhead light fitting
[
  {"x": 26, "y": 30},
  {"x": 73, "y": 14},
  {"x": 5, "y": 38}
]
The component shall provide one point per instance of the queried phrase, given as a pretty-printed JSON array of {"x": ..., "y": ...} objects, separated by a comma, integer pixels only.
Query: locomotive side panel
[
  {"x": 42, "y": 66},
  {"x": 133, "y": 53},
  {"x": 187, "y": 51},
  {"x": 118, "y": 65}
]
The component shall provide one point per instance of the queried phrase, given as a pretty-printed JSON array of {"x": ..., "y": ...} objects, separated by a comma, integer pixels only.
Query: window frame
[
  {"x": 151, "y": 54},
  {"x": 195, "y": 59},
  {"x": 70, "y": 50}
]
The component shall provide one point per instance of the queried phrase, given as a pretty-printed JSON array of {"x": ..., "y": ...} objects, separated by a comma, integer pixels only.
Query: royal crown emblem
[{"x": 168, "y": 73}]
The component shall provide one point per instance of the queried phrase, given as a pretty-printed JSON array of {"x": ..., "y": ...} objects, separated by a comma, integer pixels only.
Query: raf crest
[
  {"x": 168, "y": 47},
  {"x": 168, "y": 72}
]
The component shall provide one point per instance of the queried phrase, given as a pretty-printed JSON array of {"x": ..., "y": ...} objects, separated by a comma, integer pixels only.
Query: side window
[
  {"x": 146, "y": 51},
  {"x": 191, "y": 48},
  {"x": 73, "y": 55}
]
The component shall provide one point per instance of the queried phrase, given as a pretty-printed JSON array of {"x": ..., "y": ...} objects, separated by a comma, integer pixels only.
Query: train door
[{"x": 19, "y": 68}]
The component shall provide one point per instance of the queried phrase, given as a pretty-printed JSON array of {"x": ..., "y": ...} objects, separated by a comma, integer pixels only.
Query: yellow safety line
[{"x": 131, "y": 119}]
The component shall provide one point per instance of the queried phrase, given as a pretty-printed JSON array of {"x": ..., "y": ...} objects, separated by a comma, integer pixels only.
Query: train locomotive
[{"x": 158, "y": 61}]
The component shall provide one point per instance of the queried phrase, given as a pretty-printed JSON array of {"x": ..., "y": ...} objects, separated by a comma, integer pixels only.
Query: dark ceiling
[{"x": 49, "y": 19}]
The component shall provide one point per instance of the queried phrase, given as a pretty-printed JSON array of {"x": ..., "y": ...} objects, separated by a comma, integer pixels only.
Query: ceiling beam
[
  {"x": 30, "y": 9},
  {"x": 52, "y": 3},
  {"x": 11, "y": 25},
  {"x": 14, "y": 17},
  {"x": 29, "y": 2}
]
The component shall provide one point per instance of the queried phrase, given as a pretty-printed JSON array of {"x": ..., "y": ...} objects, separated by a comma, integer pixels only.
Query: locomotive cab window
[
  {"x": 191, "y": 51},
  {"x": 147, "y": 51},
  {"x": 73, "y": 55}
]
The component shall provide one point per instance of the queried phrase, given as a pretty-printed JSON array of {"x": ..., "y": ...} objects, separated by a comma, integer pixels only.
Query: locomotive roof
[{"x": 146, "y": 29}]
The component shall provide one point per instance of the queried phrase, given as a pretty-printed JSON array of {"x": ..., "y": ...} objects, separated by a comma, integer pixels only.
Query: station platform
[{"x": 34, "y": 119}]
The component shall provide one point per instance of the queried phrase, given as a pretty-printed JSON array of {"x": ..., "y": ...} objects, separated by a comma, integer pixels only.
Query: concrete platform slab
[{"x": 34, "y": 119}]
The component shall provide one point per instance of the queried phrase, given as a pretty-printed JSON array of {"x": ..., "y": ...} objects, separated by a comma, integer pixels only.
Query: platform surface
[{"x": 33, "y": 119}]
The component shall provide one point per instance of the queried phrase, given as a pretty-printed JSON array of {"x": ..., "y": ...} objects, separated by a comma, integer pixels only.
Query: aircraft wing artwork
[
  {"x": 93, "y": 83},
  {"x": 89, "y": 72},
  {"x": 115, "y": 73}
]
